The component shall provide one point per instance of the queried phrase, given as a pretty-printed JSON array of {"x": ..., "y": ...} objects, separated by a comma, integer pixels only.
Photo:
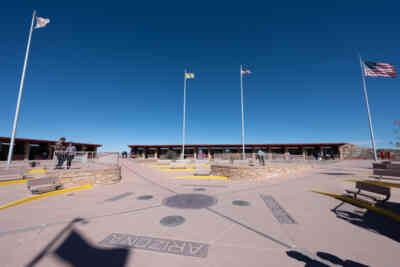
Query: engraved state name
[{"x": 184, "y": 248}]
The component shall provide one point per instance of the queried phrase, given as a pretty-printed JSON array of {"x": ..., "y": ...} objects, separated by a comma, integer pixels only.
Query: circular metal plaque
[
  {"x": 172, "y": 221},
  {"x": 190, "y": 201}
]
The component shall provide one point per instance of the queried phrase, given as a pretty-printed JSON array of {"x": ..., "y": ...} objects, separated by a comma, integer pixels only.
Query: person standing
[
  {"x": 70, "y": 153},
  {"x": 59, "y": 149},
  {"x": 260, "y": 155}
]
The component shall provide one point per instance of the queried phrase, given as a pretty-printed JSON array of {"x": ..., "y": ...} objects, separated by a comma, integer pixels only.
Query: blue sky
[{"x": 112, "y": 72}]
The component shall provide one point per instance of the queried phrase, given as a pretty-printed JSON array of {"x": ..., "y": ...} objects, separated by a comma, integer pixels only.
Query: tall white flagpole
[
  {"x": 241, "y": 100},
  {"x": 184, "y": 116},
  {"x": 368, "y": 110},
  {"x": 21, "y": 85}
]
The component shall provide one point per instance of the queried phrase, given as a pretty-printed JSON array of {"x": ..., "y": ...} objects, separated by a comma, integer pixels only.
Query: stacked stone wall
[
  {"x": 71, "y": 178},
  {"x": 251, "y": 172}
]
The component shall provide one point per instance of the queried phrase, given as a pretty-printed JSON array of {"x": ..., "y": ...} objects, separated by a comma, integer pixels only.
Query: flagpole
[
  {"x": 184, "y": 116},
  {"x": 241, "y": 100},
  {"x": 21, "y": 85},
  {"x": 368, "y": 110}
]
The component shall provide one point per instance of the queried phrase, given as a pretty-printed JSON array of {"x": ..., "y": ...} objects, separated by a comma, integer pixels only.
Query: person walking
[
  {"x": 59, "y": 149},
  {"x": 260, "y": 155},
  {"x": 70, "y": 153}
]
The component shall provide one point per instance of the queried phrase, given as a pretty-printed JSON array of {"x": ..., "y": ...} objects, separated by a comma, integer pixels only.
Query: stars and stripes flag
[
  {"x": 189, "y": 75},
  {"x": 379, "y": 69},
  {"x": 41, "y": 22},
  {"x": 244, "y": 72}
]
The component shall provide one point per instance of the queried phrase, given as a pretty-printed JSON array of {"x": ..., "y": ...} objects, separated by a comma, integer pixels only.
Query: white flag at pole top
[{"x": 41, "y": 22}]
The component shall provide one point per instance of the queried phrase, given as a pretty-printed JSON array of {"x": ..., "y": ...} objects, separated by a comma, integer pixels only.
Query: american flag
[
  {"x": 246, "y": 72},
  {"x": 378, "y": 69}
]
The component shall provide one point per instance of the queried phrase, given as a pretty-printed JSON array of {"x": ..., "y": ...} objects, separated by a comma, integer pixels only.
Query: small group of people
[
  {"x": 124, "y": 154},
  {"x": 318, "y": 155},
  {"x": 65, "y": 151}
]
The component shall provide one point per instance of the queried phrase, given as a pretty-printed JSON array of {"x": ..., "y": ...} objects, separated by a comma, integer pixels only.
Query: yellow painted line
[
  {"x": 179, "y": 165},
  {"x": 13, "y": 182},
  {"x": 178, "y": 170},
  {"x": 37, "y": 171},
  {"x": 195, "y": 165},
  {"x": 362, "y": 204},
  {"x": 160, "y": 165},
  {"x": 57, "y": 192},
  {"x": 203, "y": 177}
]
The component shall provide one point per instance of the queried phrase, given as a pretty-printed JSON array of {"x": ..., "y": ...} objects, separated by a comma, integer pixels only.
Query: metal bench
[
  {"x": 202, "y": 171},
  {"x": 44, "y": 184},
  {"x": 372, "y": 188},
  {"x": 386, "y": 168},
  {"x": 382, "y": 165}
]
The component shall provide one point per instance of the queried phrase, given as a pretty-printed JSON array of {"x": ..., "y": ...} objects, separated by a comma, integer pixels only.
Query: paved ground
[{"x": 275, "y": 222}]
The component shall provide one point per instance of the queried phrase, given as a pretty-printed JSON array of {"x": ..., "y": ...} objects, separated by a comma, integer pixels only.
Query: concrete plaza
[{"x": 153, "y": 218}]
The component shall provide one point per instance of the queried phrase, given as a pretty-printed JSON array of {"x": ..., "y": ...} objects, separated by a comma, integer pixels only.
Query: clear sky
[{"x": 111, "y": 72}]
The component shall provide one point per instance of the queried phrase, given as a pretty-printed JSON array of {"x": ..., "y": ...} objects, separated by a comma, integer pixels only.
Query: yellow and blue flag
[{"x": 189, "y": 75}]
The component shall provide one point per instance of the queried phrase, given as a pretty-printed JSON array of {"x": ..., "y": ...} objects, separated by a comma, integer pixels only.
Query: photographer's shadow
[
  {"x": 326, "y": 260},
  {"x": 78, "y": 252}
]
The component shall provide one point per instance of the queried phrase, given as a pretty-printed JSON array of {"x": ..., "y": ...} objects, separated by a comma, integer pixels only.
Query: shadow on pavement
[
  {"x": 372, "y": 221},
  {"x": 78, "y": 252},
  {"x": 326, "y": 257}
]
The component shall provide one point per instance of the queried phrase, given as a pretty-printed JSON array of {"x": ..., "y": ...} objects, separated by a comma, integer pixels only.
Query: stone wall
[
  {"x": 257, "y": 172},
  {"x": 71, "y": 178}
]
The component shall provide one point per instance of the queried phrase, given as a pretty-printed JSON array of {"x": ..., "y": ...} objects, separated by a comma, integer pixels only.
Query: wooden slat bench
[
  {"x": 202, "y": 171},
  {"x": 44, "y": 184},
  {"x": 386, "y": 168},
  {"x": 382, "y": 165},
  {"x": 372, "y": 188}
]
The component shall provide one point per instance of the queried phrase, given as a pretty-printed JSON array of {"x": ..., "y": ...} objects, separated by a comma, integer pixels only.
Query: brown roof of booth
[
  {"x": 8, "y": 139},
  {"x": 239, "y": 145}
]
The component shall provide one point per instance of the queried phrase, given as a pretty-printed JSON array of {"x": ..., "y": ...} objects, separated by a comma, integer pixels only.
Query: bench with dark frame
[
  {"x": 386, "y": 168},
  {"x": 44, "y": 184},
  {"x": 372, "y": 188}
]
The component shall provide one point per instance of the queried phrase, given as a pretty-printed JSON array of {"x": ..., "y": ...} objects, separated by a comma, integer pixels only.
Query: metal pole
[
  {"x": 241, "y": 100},
  {"x": 368, "y": 110},
  {"x": 21, "y": 85},
  {"x": 184, "y": 116}
]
